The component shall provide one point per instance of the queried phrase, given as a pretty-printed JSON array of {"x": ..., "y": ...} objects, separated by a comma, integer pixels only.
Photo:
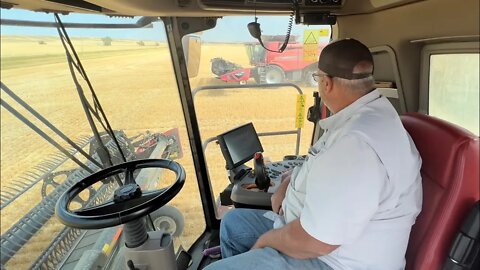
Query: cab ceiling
[{"x": 196, "y": 8}]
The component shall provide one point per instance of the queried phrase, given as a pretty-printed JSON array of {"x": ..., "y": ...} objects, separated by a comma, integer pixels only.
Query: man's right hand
[{"x": 279, "y": 195}]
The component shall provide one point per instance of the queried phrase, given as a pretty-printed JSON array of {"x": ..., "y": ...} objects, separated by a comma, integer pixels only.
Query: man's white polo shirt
[{"x": 360, "y": 187}]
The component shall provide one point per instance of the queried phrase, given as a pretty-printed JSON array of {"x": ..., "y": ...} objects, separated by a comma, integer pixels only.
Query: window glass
[
  {"x": 454, "y": 89},
  {"x": 231, "y": 57},
  {"x": 131, "y": 73}
]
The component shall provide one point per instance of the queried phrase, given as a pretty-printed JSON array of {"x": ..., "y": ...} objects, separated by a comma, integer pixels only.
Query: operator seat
[{"x": 450, "y": 182}]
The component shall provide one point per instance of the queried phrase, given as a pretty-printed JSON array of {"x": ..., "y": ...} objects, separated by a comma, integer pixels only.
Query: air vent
[
  {"x": 318, "y": 3},
  {"x": 78, "y": 4},
  {"x": 184, "y": 3}
]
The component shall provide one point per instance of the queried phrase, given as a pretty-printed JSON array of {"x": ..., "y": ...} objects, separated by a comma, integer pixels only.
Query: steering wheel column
[{"x": 156, "y": 253}]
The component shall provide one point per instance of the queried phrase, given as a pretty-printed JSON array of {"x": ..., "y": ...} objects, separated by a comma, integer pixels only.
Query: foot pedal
[{"x": 184, "y": 259}]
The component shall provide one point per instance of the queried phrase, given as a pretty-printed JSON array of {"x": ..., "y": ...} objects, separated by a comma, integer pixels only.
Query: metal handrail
[{"x": 298, "y": 131}]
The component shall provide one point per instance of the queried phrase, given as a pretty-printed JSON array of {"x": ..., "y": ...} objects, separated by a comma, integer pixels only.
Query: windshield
[
  {"x": 256, "y": 53},
  {"x": 131, "y": 81}
]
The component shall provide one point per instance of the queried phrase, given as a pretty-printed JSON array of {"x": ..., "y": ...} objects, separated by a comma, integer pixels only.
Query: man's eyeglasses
[{"x": 316, "y": 76}]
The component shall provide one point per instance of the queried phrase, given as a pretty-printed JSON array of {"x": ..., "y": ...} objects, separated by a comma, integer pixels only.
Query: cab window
[
  {"x": 453, "y": 88},
  {"x": 133, "y": 77}
]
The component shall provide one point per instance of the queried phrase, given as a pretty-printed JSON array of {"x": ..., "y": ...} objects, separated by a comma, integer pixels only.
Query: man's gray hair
[{"x": 363, "y": 85}]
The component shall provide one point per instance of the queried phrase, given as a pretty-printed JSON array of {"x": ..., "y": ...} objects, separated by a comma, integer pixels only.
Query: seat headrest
[{"x": 439, "y": 143}]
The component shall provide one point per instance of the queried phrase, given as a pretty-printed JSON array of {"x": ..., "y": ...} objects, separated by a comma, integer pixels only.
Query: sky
[
  {"x": 228, "y": 29},
  {"x": 155, "y": 33}
]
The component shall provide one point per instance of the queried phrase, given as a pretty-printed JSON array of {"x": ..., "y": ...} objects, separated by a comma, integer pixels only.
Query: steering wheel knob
[{"x": 127, "y": 192}]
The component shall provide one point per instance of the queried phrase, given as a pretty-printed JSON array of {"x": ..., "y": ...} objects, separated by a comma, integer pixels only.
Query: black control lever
[
  {"x": 131, "y": 266},
  {"x": 314, "y": 111},
  {"x": 261, "y": 177}
]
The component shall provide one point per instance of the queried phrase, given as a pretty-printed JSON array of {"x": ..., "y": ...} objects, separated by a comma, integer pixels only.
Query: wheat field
[{"x": 136, "y": 87}]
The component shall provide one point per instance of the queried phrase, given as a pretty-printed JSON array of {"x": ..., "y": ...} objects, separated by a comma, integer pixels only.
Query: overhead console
[
  {"x": 306, "y": 8},
  {"x": 274, "y": 5}
]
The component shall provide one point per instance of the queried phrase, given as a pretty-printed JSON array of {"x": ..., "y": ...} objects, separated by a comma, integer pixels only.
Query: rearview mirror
[{"x": 192, "y": 51}]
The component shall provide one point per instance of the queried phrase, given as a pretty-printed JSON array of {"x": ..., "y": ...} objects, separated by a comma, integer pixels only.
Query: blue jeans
[{"x": 239, "y": 230}]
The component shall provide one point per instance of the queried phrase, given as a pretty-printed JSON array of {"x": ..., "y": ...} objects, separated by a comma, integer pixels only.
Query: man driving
[{"x": 352, "y": 203}]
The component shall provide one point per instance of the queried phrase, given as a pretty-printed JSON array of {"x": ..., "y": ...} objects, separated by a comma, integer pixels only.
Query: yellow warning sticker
[
  {"x": 300, "y": 114},
  {"x": 310, "y": 44},
  {"x": 106, "y": 249},
  {"x": 311, "y": 36},
  {"x": 324, "y": 32}
]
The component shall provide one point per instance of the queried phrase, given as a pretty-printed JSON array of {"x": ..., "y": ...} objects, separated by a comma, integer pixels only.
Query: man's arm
[
  {"x": 279, "y": 195},
  {"x": 294, "y": 241}
]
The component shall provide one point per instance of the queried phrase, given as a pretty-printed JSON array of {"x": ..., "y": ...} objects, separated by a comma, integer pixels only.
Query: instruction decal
[{"x": 300, "y": 113}]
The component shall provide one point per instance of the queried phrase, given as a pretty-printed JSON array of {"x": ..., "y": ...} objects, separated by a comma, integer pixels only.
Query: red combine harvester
[{"x": 269, "y": 67}]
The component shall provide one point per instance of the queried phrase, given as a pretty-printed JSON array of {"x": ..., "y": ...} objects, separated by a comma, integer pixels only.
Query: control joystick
[{"x": 261, "y": 177}]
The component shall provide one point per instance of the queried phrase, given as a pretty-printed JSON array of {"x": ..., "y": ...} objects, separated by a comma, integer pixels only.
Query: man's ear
[{"x": 328, "y": 81}]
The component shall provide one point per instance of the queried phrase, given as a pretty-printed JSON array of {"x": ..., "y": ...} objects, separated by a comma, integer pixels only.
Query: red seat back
[{"x": 450, "y": 175}]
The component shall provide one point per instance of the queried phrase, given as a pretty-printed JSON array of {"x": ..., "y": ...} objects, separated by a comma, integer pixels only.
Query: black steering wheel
[{"x": 129, "y": 202}]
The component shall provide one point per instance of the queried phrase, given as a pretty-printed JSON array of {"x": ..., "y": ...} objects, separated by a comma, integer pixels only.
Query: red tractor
[{"x": 270, "y": 67}]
